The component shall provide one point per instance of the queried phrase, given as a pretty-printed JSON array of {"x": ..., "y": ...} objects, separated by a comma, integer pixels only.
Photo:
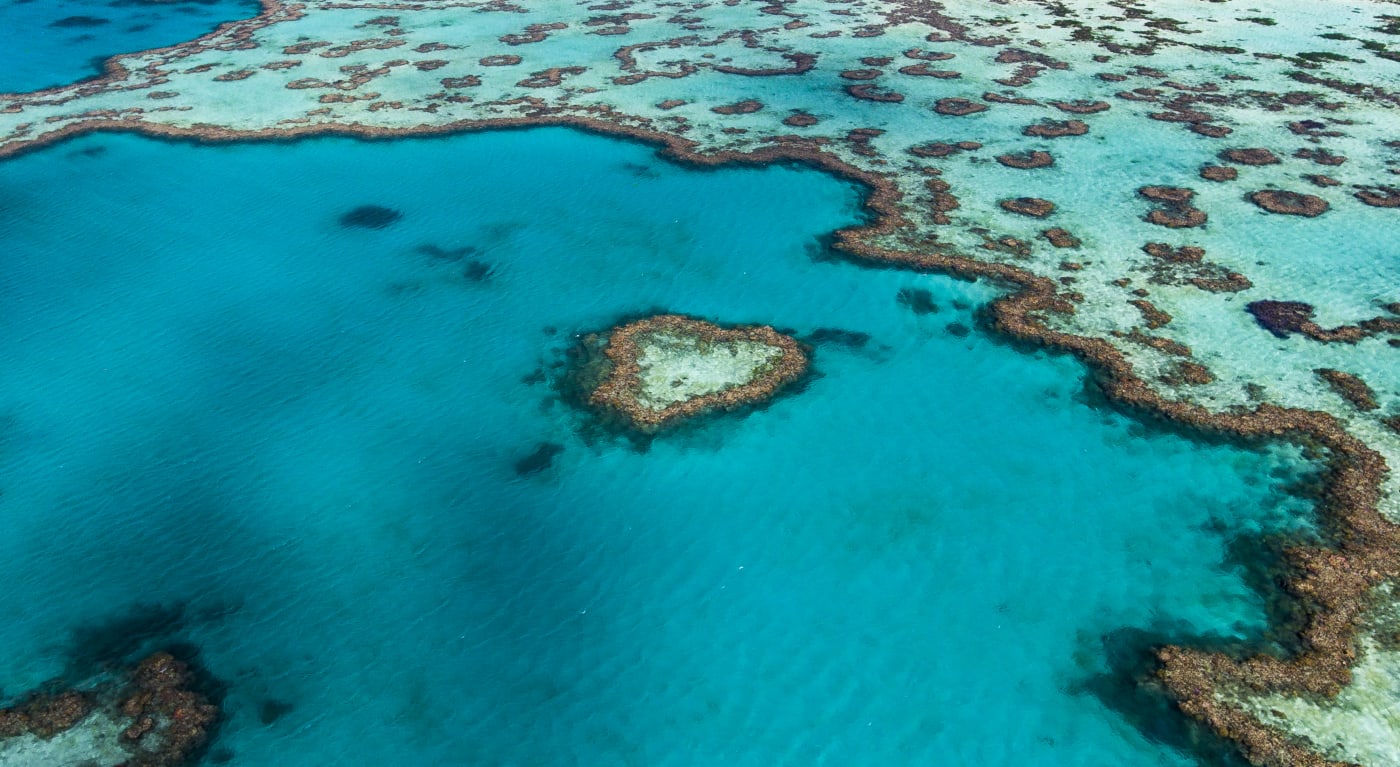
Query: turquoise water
[
  {"x": 301, "y": 441},
  {"x": 55, "y": 42}
]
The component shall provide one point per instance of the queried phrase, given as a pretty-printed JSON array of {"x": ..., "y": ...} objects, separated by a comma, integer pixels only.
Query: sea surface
[
  {"x": 55, "y": 42},
  {"x": 302, "y": 450}
]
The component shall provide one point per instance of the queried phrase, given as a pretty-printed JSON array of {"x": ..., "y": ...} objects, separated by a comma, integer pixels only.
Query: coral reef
[
  {"x": 154, "y": 719},
  {"x": 1028, "y": 206},
  {"x": 1289, "y": 203},
  {"x": 666, "y": 368},
  {"x": 1061, "y": 61},
  {"x": 1350, "y": 387},
  {"x": 1027, "y": 160},
  {"x": 1176, "y": 211}
]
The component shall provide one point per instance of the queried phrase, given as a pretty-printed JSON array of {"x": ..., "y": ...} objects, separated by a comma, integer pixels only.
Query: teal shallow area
[
  {"x": 309, "y": 436},
  {"x": 56, "y": 42}
]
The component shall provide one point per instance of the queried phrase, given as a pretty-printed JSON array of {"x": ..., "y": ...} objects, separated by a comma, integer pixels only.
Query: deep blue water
[
  {"x": 55, "y": 42},
  {"x": 216, "y": 396}
]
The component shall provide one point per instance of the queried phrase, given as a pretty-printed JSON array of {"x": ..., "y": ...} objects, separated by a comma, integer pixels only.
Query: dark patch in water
[
  {"x": 478, "y": 271},
  {"x": 1260, "y": 562},
  {"x": 501, "y": 230},
  {"x": 114, "y": 639},
  {"x": 406, "y": 287},
  {"x": 79, "y": 22},
  {"x": 958, "y": 329},
  {"x": 92, "y": 151},
  {"x": 272, "y": 710},
  {"x": 918, "y": 300},
  {"x": 639, "y": 170},
  {"x": 139, "y": 28},
  {"x": 118, "y": 639},
  {"x": 851, "y": 339},
  {"x": 370, "y": 217},
  {"x": 221, "y": 756},
  {"x": 446, "y": 254},
  {"x": 823, "y": 250},
  {"x": 536, "y": 376},
  {"x": 538, "y": 461}
]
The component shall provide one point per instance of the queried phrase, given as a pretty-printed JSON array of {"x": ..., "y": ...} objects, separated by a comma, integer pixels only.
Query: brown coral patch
[
  {"x": 1186, "y": 254},
  {"x": 1061, "y": 238},
  {"x": 1027, "y": 160},
  {"x": 943, "y": 201},
  {"x": 1028, "y": 206},
  {"x": 997, "y": 98},
  {"x": 1081, "y": 106},
  {"x": 923, "y": 55},
  {"x": 1320, "y": 156},
  {"x": 935, "y": 149},
  {"x": 163, "y": 721},
  {"x": 1176, "y": 211},
  {"x": 1187, "y": 373},
  {"x": 534, "y": 33},
  {"x": 1154, "y": 317},
  {"x": 620, "y": 389},
  {"x": 465, "y": 81},
  {"x": 1285, "y": 317},
  {"x": 1380, "y": 196},
  {"x": 501, "y": 60},
  {"x": 1249, "y": 156},
  {"x": 1056, "y": 128},
  {"x": 1289, "y": 203},
  {"x": 549, "y": 78},
  {"x": 958, "y": 107},
  {"x": 924, "y": 70},
  {"x": 1219, "y": 173},
  {"x": 800, "y": 120},
  {"x": 1350, "y": 387},
  {"x": 1211, "y": 131},
  {"x": 1186, "y": 265},
  {"x": 1177, "y": 218},
  {"x": 861, "y": 74},
  {"x": 748, "y": 106},
  {"x": 872, "y": 93},
  {"x": 800, "y": 63}
]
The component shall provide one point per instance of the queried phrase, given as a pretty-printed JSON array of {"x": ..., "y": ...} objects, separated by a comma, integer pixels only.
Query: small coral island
[
  {"x": 659, "y": 370},
  {"x": 153, "y": 718}
]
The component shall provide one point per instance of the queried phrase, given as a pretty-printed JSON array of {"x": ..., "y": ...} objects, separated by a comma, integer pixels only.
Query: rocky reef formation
[
  {"x": 666, "y": 368},
  {"x": 1289, "y": 203},
  {"x": 1176, "y": 211},
  {"x": 684, "y": 81},
  {"x": 153, "y": 717}
]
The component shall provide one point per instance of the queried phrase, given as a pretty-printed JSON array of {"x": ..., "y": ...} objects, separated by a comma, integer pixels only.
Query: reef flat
[
  {"x": 1193, "y": 197},
  {"x": 666, "y": 368},
  {"x": 151, "y": 718}
]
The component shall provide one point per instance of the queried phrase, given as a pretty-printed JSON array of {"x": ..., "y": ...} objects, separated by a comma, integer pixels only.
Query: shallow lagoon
[
  {"x": 216, "y": 395},
  {"x": 56, "y": 42}
]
